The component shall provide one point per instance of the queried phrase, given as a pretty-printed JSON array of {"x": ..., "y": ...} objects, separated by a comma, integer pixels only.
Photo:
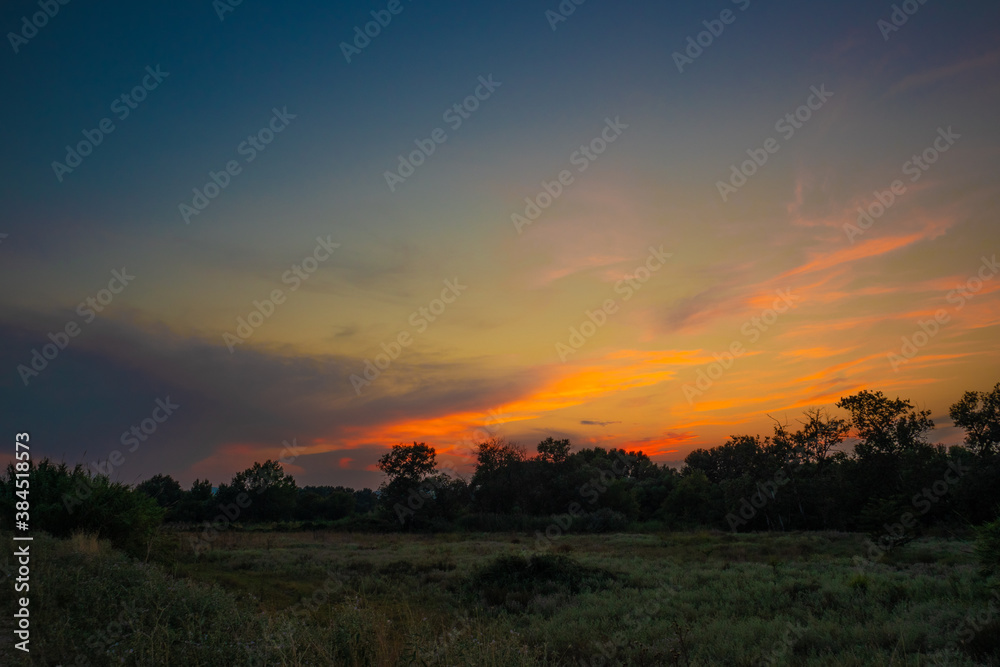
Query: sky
[{"x": 311, "y": 231}]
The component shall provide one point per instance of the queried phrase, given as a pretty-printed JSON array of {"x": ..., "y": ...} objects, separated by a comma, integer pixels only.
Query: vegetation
[
  {"x": 892, "y": 483},
  {"x": 64, "y": 501},
  {"x": 688, "y": 598},
  {"x": 504, "y": 568}
]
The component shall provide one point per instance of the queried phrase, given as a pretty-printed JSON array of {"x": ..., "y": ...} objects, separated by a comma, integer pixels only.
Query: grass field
[{"x": 705, "y": 598}]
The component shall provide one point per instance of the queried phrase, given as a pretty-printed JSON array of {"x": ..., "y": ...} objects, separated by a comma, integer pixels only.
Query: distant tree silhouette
[
  {"x": 164, "y": 489},
  {"x": 797, "y": 479},
  {"x": 885, "y": 426},
  {"x": 499, "y": 481},
  {"x": 978, "y": 413},
  {"x": 408, "y": 462},
  {"x": 553, "y": 451},
  {"x": 270, "y": 491},
  {"x": 403, "y": 494}
]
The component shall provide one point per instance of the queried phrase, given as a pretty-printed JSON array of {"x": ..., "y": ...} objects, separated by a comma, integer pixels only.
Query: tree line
[{"x": 874, "y": 470}]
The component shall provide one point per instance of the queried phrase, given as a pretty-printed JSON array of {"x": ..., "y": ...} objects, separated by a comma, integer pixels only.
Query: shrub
[
  {"x": 882, "y": 514},
  {"x": 65, "y": 501},
  {"x": 988, "y": 546},
  {"x": 515, "y": 581},
  {"x": 606, "y": 520}
]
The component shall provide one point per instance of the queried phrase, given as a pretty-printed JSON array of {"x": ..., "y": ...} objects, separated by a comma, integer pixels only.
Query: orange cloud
[{"x": 453, "y": 433}]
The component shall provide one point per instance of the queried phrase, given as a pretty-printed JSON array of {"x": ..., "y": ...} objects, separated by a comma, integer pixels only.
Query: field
[{"x": 705, "y": 598}]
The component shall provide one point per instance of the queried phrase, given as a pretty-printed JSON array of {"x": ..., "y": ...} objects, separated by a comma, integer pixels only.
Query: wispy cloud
[{"x": 944, "y": 72}]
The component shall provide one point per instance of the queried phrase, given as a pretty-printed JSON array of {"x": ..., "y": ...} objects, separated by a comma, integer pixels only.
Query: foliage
[
  {"x": 553, "y": 451},
  {"x": 516, "y": 581},
  {"x": 263, "y": 492},
  {"x": 704, "y": 598},
  {"x": 978, "y": 413},
  {"x": 64, "y": 501},
  {"x": 885, "y": 426},
  {"x": 165, "y": 490},
  {"x": 410, "y": 463},
  {"x": 988, "y": 546}
]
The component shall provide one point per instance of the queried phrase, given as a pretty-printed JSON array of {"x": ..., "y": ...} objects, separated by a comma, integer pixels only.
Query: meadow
[{"x": 320, "y": 597}]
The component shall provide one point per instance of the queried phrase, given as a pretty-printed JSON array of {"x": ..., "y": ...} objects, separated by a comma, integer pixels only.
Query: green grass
[{"x": 695, "y": 598}]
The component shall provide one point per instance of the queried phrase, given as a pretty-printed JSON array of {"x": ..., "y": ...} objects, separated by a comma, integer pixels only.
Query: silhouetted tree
[
  {"x": 885, "y": 426},
  {"x": 498, "y": 484},
  {"x": 978, "y": 413},
  {"x": 404, "y": 493},
  {"x": 553, "y": 451},
  {"x": 164, "y": 489},
  {"x": 408, "y": 462},
  {"x": 270, "y": 492}
]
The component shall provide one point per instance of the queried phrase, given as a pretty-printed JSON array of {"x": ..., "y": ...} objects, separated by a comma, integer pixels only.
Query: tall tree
[
  {"x": 978, "y": 413},
  {"x": 164, "y": 489},
  {"x": 886, "y": 426},
  {"x": 820, "y": 434},
  {"x": 270, "y": 492},
  {"x": 408, "y": 462},
  {"x": 406, "y": 492},
  {"x": 553, "y": 451}
]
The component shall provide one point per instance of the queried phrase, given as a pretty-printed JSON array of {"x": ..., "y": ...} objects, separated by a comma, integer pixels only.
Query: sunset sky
[{"x": 649, "y": 219}]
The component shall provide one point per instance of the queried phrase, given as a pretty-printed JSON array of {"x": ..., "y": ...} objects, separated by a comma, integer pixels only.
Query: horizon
[{"x": 236, "y": 227}]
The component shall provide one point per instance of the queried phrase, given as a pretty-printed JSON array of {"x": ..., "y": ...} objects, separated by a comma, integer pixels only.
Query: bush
[
  {"x": 65, "y": 501},
  {"x": 883, "y": 512},
  {"x": 515, "y": 581},
  {"x": 988, "y": 546},
  {"x": 606, "y": 520}
]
